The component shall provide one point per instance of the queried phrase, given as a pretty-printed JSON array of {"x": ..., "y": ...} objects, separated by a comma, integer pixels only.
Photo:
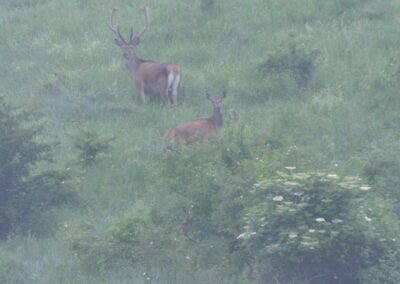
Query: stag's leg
[
  {"x": 175, "y": 87},
  {"x": 170, "y": 83},
  {"x": 140, "y": 92},
  {"x": 164, "y": 95},
  {"x": 163, "y": 85},
  {"x": 173, "y": 84}
]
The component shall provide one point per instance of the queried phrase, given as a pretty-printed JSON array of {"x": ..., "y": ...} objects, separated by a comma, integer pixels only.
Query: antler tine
[
  {"x": 131, "y": 36},
  {"x": 113, "y": 28},
  {"x": 112, "y": 24},
  {"x": 146, "y": 20}
]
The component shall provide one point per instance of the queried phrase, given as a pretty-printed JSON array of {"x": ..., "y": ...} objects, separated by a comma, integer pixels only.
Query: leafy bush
[
  {"x": 191, "y": 223},
  {"x": 309, "y": 227},
  {"x": 143, "y": 238},
  {"x": 97, "y": 253},
  {"x": 291, "y": 60},
  {"x": 315, "y": 226},
  {"x": 381, "y": 172},
  {"x": 143, "y": 235},
  {"x": 24, "y": 190},
  {"x": 387, "y": 271},
  {"x": 209, "y": 202},
  {"x": 90, "y": 144}
]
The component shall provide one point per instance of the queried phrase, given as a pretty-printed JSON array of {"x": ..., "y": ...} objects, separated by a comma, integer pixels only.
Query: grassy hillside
[{"x": 311, "y": 84}]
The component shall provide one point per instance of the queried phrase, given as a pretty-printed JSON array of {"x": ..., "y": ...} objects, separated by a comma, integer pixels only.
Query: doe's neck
[{"x": 217, "y": 118}]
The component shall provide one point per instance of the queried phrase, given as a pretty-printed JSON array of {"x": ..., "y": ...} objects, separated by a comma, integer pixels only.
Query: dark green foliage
[
  {"x": 294, "y": 59},
  {"x": 143, "y": 237},
  {"x": 211, "y": 197},
  {"x": 193, "y": 222},
  {"x": 381, "y": 170},
  {"x": 97, "y": 254},
  {"x": 387, "y": 271},
  {"x": 317, "y": 227},
  {"x": 25, "y": 192},
  {"x": 90, "y": 144},
  {"x": 209, "y": 217}
]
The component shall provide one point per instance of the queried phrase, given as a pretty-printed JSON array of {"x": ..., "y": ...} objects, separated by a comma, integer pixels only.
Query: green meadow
[{"x": 301, "y": 185}]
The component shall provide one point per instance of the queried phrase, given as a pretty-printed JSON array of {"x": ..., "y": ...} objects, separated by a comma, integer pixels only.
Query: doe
[{"x": 199, "y": 129}]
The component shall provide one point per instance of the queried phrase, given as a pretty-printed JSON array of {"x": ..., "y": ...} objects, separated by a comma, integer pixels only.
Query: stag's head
[
  {"x": 127, "y": 46},
  {"x": 218, "y": 100}
]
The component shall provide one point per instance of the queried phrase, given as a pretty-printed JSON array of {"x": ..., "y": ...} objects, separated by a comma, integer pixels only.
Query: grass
[{"x": 68, "y": 69}]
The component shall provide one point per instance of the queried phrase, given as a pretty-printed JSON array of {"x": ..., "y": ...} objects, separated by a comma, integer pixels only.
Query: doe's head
[{"x": 218, "y": 100}]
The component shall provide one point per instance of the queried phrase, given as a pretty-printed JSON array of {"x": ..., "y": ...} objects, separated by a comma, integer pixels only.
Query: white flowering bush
[{"x": 315, "y": 223}]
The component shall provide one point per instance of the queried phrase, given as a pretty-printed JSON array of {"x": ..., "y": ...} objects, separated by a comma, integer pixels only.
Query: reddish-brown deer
[
  {"x": 149, "y": 76},
  {"x": 199, "y": 129}
]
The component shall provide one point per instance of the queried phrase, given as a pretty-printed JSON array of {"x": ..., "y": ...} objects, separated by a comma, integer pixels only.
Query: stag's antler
[
  {"x": 113, "y": 28},
  {"x": 112, "y": 24},
  {"x": 132, "y": 40},
  {"x": 145, "y": 9}
]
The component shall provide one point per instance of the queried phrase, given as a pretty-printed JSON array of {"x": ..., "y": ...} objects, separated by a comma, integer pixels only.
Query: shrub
[
  {"x": 142, "y": 238},
  {"x": 381, "y": 172},
  {"x": 387, "y": 271},
  {"x": 316, "y": 227},
  {"x": 90, "y": 144},
  {"x": 144, "y": 235},
  {"x": 96, "y": 252},
  {"x": 24, "y": 190},
  {"x": 189, "y": 226},
  {"x": 209, "y": 185},
  {"x": 294, "y": 60}
]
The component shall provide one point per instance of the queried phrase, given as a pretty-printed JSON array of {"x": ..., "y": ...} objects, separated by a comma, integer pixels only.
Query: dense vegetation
[{"x": 300, "y": 186}]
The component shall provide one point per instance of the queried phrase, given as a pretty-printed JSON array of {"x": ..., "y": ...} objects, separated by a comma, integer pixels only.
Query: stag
[
  {"x": 199, "y": 129},
  {"x": 149, "y": 76}
]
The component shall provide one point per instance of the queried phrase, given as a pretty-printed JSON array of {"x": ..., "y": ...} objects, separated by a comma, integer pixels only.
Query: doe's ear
[
  {"x": 223, "y": 94},
  {"x": 208, "y": 96}
]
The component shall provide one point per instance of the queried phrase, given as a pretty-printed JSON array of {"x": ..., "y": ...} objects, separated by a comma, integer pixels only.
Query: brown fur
[
  {"x": 200, "y": 129},
  {"x": 149, "y": 76},
  {"x": 153, "y": 77}
]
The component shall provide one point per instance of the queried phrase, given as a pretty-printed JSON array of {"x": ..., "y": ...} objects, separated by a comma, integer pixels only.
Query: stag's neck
[
  {"x": 217, "y": 119},
  {"x": 133, "y": 63}
]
